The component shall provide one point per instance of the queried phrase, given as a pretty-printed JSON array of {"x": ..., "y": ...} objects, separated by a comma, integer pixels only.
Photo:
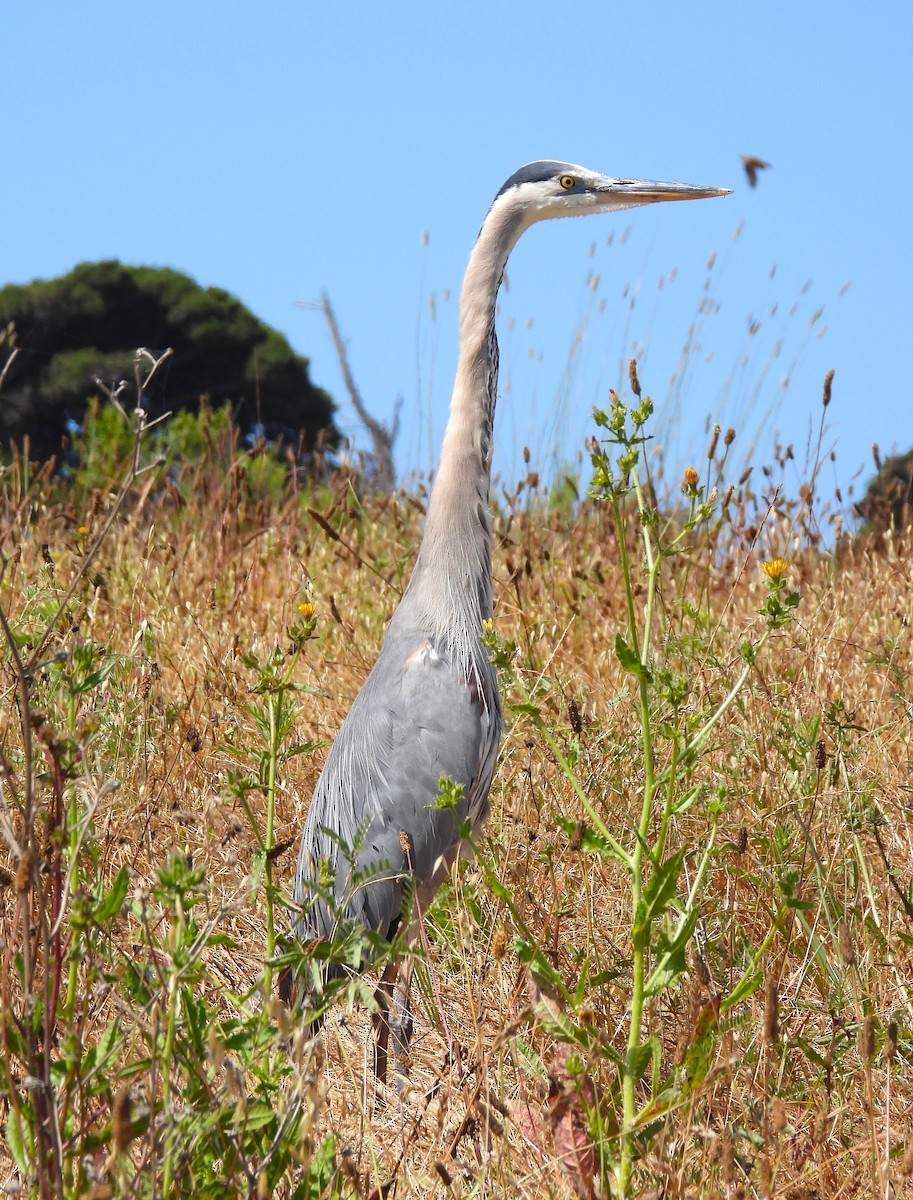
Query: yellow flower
[
  {"x": 775, "y": 569},
  {"x": 82, "y": 531},
  {"x": 306, "y": 608},
  {"x": 691, "y": 477}
]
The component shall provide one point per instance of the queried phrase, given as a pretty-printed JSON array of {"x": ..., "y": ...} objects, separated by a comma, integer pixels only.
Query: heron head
[{"x": 549, "y": 188}]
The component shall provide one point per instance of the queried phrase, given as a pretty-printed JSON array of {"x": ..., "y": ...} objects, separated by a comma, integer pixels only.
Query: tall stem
[{"x": 274, "y": 700}]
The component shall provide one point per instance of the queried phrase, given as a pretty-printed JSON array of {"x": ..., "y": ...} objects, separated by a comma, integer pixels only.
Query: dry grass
[{"x": 811, "y": 769}]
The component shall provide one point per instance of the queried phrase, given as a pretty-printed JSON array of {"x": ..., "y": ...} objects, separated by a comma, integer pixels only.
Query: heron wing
[{"x": 420, "y": 716}]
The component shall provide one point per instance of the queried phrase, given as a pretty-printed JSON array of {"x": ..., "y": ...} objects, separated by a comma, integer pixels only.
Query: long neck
[{"x": 453, "y": 572}]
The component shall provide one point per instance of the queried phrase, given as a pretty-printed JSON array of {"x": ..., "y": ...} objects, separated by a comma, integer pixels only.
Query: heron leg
[
  {"x": 401, "y": 1017},
  {"x": 380, "y": 1019}
]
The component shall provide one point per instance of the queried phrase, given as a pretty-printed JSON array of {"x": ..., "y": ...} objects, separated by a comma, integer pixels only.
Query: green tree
[
  {"x": 888, "y": 500},
  {"x": 90, "y": 322}
]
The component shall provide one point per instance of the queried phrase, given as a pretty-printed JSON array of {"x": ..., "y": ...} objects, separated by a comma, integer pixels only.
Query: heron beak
[{"x": 629, "y": 192}]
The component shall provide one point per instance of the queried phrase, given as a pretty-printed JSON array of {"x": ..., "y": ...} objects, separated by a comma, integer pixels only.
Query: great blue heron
[{"x": 374, "y": 835}]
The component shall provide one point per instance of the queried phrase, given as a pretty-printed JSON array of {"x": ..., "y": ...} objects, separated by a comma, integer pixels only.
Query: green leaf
[
  {"x": 699, "y": 1055},
  {"x": 746, "y": 987},
  {"x": 16, "y": 1144},
  {"x": 671, "y": 958},
  {"x": 92, "y": 681},
  {"x": 638, "y": 1059},
  {"x": 258, "y": 1116},
  {"x": 657, "y": 896},
  {"x": 541, "y": 968},
  {"x": 591, "y": 842},
  {"x": 111, "y": 905},
  {"x": 626, "y": 656}
]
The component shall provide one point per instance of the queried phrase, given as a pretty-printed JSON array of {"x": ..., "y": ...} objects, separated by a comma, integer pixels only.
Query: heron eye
[{"x": 567, "y": 182}]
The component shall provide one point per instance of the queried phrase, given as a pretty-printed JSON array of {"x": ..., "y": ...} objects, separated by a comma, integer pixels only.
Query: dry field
[{"x": 158, "y": 756}]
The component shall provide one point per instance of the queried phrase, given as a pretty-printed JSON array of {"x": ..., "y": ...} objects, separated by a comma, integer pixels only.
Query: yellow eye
[{"x": 567, "y": 182}]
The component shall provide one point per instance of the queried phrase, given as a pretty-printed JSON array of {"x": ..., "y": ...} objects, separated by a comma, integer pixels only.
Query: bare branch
[{"x": 382, "y": 438}]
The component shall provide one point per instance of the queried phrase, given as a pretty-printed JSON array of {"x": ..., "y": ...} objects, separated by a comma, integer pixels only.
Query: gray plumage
[{"x": 430, "y": 706}]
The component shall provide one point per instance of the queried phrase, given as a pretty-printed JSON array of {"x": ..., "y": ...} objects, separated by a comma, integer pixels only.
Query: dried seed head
[
  {"x": 771, "y": 1011},
  {"x": 741, "y": 839},
  {"x": 121, "y": 1121},
  {"x": 765, "y": 1177},
  {"x": 820, "y": 1126},
  {"x": 845, "y": 944},
  {"x": 444, "y": 1175},
  {"x": 24, "y": 870},
  {"x": 729, "y": 436},
  {"x": 890, "y": 1044},
  {"x": 713, "y": 441},
  {"x": 820, "y": 756},
  {"x": 632, "y": 376},
  {"x": 778, "y": 1115},
  {"x": 727, "y": 1164},
  {"x": 349, "y": 1166},
  {"x": 576, "y": 839},
  {"x": 867, "y": 1038},
  {"x": 264, "y": 1191},
  {"x": 697, "y": 965},
  {"x": 828, "y": 381},
  {"x": 573, "y": 715},
  {"x": 906, "y": 1163},
  {"x": 499, "y": 943},
  {"x": 526, "y": 455},
  {"x": 405, "y": 843}
]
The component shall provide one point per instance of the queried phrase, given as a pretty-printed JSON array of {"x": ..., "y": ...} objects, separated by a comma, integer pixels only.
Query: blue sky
[{"x": 278, "y": 149}]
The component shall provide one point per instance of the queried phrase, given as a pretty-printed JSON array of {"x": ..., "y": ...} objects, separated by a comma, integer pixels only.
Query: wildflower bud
[
  {"x": 691, "y": 478},
  {"x": 632, "y": 376},
  {"x": 867, "y": 1038},
  {"x": 845, "y": 944},
  {"x": 890, "y": 1045},
  {"x": 820, "y": 756},
  {"x": 121, "y": 1121},
  {"x": 771, "y": 1011},
  {"x": 828, "y": 381},
  {"x": 24, "y": 871}
]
